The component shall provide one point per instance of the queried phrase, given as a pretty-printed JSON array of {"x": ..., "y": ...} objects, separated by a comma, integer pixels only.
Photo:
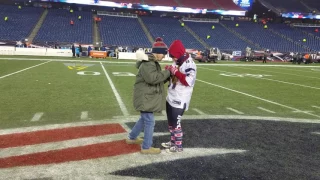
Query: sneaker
[
  {"x": 151, "y": 150},
  {"x": 134, "y": 141},
  {"x": 167, "y": 144},
  {"x": 174, "y": 149}
]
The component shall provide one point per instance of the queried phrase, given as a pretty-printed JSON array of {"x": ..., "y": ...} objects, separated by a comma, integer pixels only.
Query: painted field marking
[
  {"x": 117, "y": 95},
  {"x": 299, "y": 111},
  {"x": 317, "y": 133},
  {"x": 23, "y": 70},
  {"x": 267, "y": 110},
  {"x": 278, "y": 72},
  {"x": 266, "y": 79},
  {"x": 316, "y": 107},
  {"x": 198, "y": 111},
  {"x": 234, "y": 110},
  {"x": 37, "y": 116},
  {"x": 165, "y": 62},
  {"x": 256, "y": 97},
  {"x": 84, "y": 115}
]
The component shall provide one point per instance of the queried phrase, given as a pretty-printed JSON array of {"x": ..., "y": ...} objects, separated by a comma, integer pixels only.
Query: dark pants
[
  {"x": 73, "y": 53},
  {"x": 174, "y": 116},
  {"x": 264, "y": 60}
]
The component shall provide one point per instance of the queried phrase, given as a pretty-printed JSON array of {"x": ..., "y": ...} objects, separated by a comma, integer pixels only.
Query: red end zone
[
  {"x": 54, "y": 135},
  {"x": 71, "y": 154}
]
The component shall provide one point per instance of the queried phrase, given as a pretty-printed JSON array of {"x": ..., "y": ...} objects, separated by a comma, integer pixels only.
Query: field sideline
[{"x": 75, "y": 110}]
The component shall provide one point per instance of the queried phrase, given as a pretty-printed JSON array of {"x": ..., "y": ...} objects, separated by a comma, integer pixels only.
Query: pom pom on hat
[{"x": 158, "y": 39}]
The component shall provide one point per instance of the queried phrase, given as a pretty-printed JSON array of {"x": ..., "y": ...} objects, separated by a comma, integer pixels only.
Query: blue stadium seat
[
  {"x": 57, "y": 28},
  {"x": 170, "y": 29},
  {"x": 122, "y": 31},
  {"x": 20, "y": 23}
]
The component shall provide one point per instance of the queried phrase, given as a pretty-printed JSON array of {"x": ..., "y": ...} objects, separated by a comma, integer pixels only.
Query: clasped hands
[{"x": 173, "y": 69}]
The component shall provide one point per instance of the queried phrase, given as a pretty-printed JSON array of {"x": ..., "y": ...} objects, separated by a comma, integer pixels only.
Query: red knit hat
[
  {"x": 159, "y": 39},
  {"x": 159, "y": 48},
  {"x": 177, "y": 50}
]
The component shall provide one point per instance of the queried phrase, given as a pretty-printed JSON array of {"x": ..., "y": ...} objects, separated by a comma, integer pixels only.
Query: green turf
[{"x": 68, "y": 94}]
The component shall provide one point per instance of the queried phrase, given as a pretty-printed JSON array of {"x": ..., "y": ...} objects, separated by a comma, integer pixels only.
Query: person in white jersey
[{"x": 183, "y": 77}]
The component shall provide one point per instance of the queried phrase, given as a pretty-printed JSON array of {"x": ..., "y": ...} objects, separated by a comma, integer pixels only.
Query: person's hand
[
  {"x": 167, "y": 67},
  {"x": 173, "y": 69}
]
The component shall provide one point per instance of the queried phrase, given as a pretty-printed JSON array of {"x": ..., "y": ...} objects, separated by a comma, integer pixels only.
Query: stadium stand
[
  {"x": 297, "y": 35},
  {"x": 313, "y": 3},
  {"x": 220, "y": 37},
  {"x": 122, "y": 31},
  {"x": 288, "y": 5},
  {"x": 162, "y": 2},
  {"x": 18, "y": 26},
  {"x": 263, "y": 37},
  {"x": 170, "y": 29},
  {"x": 205, "y": 4},
  {"x": 57, "y": 28},
  {"x": 228, "y": 5}
]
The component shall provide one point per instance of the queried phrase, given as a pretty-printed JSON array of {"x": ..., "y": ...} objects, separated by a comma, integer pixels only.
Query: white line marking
[
  {"x": 37, "y": 116},
  {"x": 268, "y": 79},
  {"x": 44, "y": 147},
  {"x": 267, "y": 110},
  {"x": 316, "y": 107},
  {"x": 256, "y": 97},
  {"x": 163, "y": 112},
  {"x": 118, "y": 97},
  {"x": 317, "y": 133},
  {"x": 165, "y": 62},
  {"x": 278, "y": 72},
  {"x": 291, "y": 83},
  {"x": 234, "y": 110},
  {"x": 198, "y": 111},
  {"x": 126, "y": 119},
  {"x": 84, "y": 115},
  {"x": 302, "y": 111},
  {"x": 23, "y": 70}
]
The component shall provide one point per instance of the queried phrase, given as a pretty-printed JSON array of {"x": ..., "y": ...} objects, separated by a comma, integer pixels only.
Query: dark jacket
[{"x": 148, "y": 93}]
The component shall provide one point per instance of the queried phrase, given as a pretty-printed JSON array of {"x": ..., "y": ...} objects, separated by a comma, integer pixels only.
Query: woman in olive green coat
[{"x": 149, "y": 95}]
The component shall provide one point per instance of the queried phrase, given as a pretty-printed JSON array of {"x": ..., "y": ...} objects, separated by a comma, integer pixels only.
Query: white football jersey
[{"x": 179, "y": 94}]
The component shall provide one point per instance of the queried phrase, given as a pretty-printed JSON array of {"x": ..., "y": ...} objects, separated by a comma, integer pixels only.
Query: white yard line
[
  {"x": 267, "y": 110},
  {"x": 118, "y": 97},
  {"x": 256, "y": 97},
  {"x": 164, "y": 62},
  {"x": 317, "y": 133},
  {"x": 316, "y": 107},
  {"x": 84, "y": 115},
  {"x": 198, "y": 111},
  {"x": 284, "y": 82},
  {"x": 37, "y": 116},
  {"x": 23, "y": 70},
  {"x": 279, "y": 72},
  {"x": 44, "y": 147},
  {"x": 234, "y": 110},
  {"x": 127, "y": 119}
]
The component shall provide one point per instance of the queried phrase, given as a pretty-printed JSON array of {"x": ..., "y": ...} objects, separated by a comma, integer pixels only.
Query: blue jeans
[{"x": 147, "y": 122}]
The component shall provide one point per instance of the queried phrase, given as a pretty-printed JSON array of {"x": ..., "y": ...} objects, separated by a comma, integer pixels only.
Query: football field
[{"x": 64, "y": 118}]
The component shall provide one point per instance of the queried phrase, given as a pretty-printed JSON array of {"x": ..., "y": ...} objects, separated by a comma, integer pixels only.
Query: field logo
[{"x": 78, "y": 67}]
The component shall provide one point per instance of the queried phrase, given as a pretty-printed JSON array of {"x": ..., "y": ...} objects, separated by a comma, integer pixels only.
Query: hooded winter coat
[{"x": 148, "y": 93}]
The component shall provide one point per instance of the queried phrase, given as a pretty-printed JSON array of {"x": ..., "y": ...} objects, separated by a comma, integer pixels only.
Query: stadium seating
[
  {"x": 161, "y": 3},
  {"x": 20, "y": 23},
  {"x": 122, "y": 31},
  {"x": 205, "y": 4},
  {"x": 313, "y": 3},
  {"x": 170, "y": 29},
  {"x": 57, "y": 28},
  {"x": 297, "y": 35},
  {"x": 228, "y": 5},
  {"x": 288, "y": 5},
  {"x": 220, "y": 37},
  {"x": 263, "y": 37}
]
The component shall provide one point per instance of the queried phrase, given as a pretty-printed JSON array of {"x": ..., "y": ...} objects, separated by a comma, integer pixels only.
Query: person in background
[
  {"x": 78, "y": 52},
  {"x": 73, "y": 50},
  {"x": 89, "y": 49}
]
